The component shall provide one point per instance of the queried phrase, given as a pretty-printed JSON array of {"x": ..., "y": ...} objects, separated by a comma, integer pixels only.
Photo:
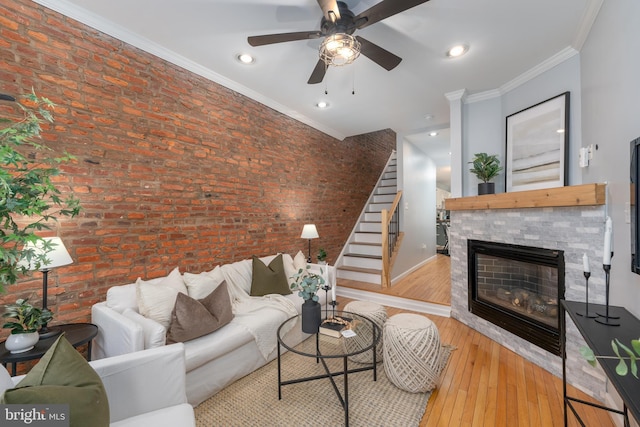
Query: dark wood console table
[{"x": 598, "y": 337}]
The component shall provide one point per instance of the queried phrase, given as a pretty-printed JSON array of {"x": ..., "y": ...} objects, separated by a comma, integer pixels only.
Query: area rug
[{"x": 253, "y": 400}]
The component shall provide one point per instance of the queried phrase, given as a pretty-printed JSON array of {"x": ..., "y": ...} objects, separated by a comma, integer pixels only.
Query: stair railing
[{"x": 390, "y": 233}]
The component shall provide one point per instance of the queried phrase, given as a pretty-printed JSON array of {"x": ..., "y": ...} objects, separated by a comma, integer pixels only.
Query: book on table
[{"x": 334, "y": 328}]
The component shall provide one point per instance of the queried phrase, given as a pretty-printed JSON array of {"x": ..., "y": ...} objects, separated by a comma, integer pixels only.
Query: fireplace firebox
[{"x": 518, "y": 288}]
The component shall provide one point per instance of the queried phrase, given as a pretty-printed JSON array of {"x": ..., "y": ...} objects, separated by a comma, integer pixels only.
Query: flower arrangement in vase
[{"x": 308, "y": 285}]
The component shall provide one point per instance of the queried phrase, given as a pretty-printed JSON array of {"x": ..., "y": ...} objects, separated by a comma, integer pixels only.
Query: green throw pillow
[
  {"x": 64, "y": 376},
  {"x": 269, "y": 279}
]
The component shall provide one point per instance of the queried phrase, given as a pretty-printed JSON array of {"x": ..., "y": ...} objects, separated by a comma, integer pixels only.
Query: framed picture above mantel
[{"x": 538, "y": 146}]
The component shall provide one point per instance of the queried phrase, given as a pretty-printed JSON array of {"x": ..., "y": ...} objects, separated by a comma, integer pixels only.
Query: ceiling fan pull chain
[{"x": 353, "y": 82}]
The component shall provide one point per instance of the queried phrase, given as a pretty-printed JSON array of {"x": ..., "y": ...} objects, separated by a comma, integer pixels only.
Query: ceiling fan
[{"x": 337, "y": 26}]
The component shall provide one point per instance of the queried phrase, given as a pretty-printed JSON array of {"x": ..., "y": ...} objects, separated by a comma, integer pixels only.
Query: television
[{"x": 633, "y": 211}]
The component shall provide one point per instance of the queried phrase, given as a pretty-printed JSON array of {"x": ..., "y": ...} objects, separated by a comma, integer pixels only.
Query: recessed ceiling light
[
  {"x": 322, "y": 104},
  {"x": 245, "y": 58},
  {"x": 433, "y": 133},
  {"x": 560, "y": 131},
  {"x": 428, "y": 117},
  {"x": 457, "y": 51}
]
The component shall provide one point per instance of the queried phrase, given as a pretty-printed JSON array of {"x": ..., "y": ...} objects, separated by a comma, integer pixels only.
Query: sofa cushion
[
  {"x": 193, "y": 318},
  {"x": 119, "y": 298},
  {"x": 201, "y": 285},
  {"x": 204, "y": 349},
  {"x": 269, "y": 279},
  {"x": 63, "y": 376},
  {"x": 154, "y": 333},
  {"x": 156, "y": 300}
]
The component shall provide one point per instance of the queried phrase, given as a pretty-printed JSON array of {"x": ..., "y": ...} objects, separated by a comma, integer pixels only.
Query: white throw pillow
[
  {"x": 289, "y": 268},
  {"x": 156, "y": 301},
  {"x": 119, "y": 298},
  {"x": 299, "y": 261},
  {"x": 201, "y": 285},
  {"x": 154, "y": 333}
]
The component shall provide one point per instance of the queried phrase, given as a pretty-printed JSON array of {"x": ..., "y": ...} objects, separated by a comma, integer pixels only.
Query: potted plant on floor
[
  {"x": 485, "y": 168},
  {"x": 30, "y": 200},
  {"x": 308, "y": 285},
  {"x": 24, "y": 320}
]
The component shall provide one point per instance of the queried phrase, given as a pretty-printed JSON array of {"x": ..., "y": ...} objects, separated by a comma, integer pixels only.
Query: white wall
[
  {"x": 610, "y": 67},
  {"x": 484, "y": 122},
  {"x": 418, "y": 208}
]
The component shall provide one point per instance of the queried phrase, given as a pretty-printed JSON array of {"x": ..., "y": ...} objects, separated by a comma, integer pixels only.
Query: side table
[{"x": 76, "y": 333}]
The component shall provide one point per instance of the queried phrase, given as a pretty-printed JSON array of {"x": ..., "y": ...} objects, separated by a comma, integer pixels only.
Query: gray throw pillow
[{"x": 193, "y": 318}]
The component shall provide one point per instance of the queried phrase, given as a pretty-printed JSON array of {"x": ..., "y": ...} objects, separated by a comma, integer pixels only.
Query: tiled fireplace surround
[{"x": 575, "y": 230}]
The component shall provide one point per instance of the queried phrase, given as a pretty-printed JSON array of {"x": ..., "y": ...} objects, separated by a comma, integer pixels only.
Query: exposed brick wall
[{"x": 172, "y": 169}]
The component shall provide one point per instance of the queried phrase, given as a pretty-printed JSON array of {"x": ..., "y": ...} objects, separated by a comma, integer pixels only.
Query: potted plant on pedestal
[
  {"x": 322, "y": 256},
  {"x": 308, "y": 285},
  {"x": 485, "y": 168},
  {"x": 24, "y": 320}
]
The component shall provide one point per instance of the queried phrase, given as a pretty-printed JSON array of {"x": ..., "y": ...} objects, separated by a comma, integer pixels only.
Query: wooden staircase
[{"x": 362, "y": 258}]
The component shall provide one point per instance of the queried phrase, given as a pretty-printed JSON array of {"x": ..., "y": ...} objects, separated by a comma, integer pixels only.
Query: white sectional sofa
[{"x": 215, "y": 360}]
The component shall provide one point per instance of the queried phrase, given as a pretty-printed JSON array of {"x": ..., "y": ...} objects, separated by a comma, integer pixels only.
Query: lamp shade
[
  {"x": 57, "y": 256},
  {"x": 309, "y": 231}
]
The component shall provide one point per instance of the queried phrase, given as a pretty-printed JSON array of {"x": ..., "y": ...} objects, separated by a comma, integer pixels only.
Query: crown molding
[
  {"x": 558, "y": 58},
  {"x": 94, "y": 21},
  {"x": 456, "y": 95},
  {"x": 588, "y": 18}
]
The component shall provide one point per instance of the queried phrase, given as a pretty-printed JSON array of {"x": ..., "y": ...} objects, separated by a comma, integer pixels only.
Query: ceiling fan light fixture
[
  {"x": 457, "y": 51},
  {"x": 339, "y": 49}
]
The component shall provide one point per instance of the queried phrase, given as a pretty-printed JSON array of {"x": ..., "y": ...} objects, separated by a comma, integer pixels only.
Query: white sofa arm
[
  {"x": 144, "y": 381},
  {"x": 116, "y": 334}
]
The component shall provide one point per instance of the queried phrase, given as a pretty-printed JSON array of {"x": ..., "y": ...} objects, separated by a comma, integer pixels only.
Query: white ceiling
[{"x": 507, "y": 39}]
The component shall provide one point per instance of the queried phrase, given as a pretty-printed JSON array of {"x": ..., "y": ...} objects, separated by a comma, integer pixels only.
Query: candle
[
  {"x": 585, "y": 263},
  {"x": 333, "y": 292},
  {"x": 608, "y": 228}
]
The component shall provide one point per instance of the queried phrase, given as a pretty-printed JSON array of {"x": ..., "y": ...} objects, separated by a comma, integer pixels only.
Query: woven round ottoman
[
  {"x": 378, "y": 315},
  {"x": 411, "y": 352}
]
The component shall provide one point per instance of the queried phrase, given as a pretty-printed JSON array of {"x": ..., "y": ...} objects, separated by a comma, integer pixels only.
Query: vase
[
  {"x": 311, "y": 316},
  {"x": 19, "y": 343},
  {"x": 486, "y": 188}
]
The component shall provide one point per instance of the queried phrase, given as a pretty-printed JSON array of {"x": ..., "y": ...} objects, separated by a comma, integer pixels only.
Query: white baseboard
[{"x": 397, "y": 302}]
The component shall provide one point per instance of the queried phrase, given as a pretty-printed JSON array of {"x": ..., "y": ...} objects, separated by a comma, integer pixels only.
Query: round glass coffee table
[{"x": 322, "y": 347}]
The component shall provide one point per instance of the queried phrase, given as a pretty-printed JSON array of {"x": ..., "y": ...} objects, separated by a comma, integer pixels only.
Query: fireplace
[{"x": 518, "y": 288}]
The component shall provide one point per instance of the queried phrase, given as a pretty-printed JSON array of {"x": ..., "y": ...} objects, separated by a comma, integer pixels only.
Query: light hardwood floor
[{"x": 484, "y": 383}]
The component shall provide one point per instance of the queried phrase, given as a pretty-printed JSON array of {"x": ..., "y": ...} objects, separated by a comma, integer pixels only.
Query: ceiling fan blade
[
  {"x": 383, "y": 10},
  {"x": 318, "y": 73},
  {"x": 283, "y": 37},
  {"x": 380, "y": 56},
  {"x": 330, "y": 9}
]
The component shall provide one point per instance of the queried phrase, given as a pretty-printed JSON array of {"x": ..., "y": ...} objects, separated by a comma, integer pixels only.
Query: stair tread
[
  {"x": 368, "y": 232},
  {"x": 357, "y": 255},
  {"x": 365, "y": 243},
  {"x": 360, "y": 270}
]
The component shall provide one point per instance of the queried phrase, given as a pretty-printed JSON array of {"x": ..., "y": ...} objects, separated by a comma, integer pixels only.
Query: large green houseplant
[
  {"x": 29, "y": 200},
  {"x": 485, "y": 168}
]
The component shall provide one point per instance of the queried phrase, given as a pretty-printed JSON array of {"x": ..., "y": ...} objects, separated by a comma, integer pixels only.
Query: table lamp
[
  {"x": 309, "y": 231},
  {"x": 57, "y": 256}
]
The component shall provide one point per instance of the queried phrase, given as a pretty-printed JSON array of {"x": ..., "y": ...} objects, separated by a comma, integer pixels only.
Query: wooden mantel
[{"x": 575, "y": 195}]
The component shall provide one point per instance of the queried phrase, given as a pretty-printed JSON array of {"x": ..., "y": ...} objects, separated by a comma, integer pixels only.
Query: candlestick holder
[
  {"x": 334, "y": 304},
  {"x": 606, "y": 318},
  {"x": 586, "y": 306},
  {"x": 326, "y": 288}
]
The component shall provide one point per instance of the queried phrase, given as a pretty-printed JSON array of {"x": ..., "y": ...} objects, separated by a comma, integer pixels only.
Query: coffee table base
[{"x": 344, "y": 399}]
